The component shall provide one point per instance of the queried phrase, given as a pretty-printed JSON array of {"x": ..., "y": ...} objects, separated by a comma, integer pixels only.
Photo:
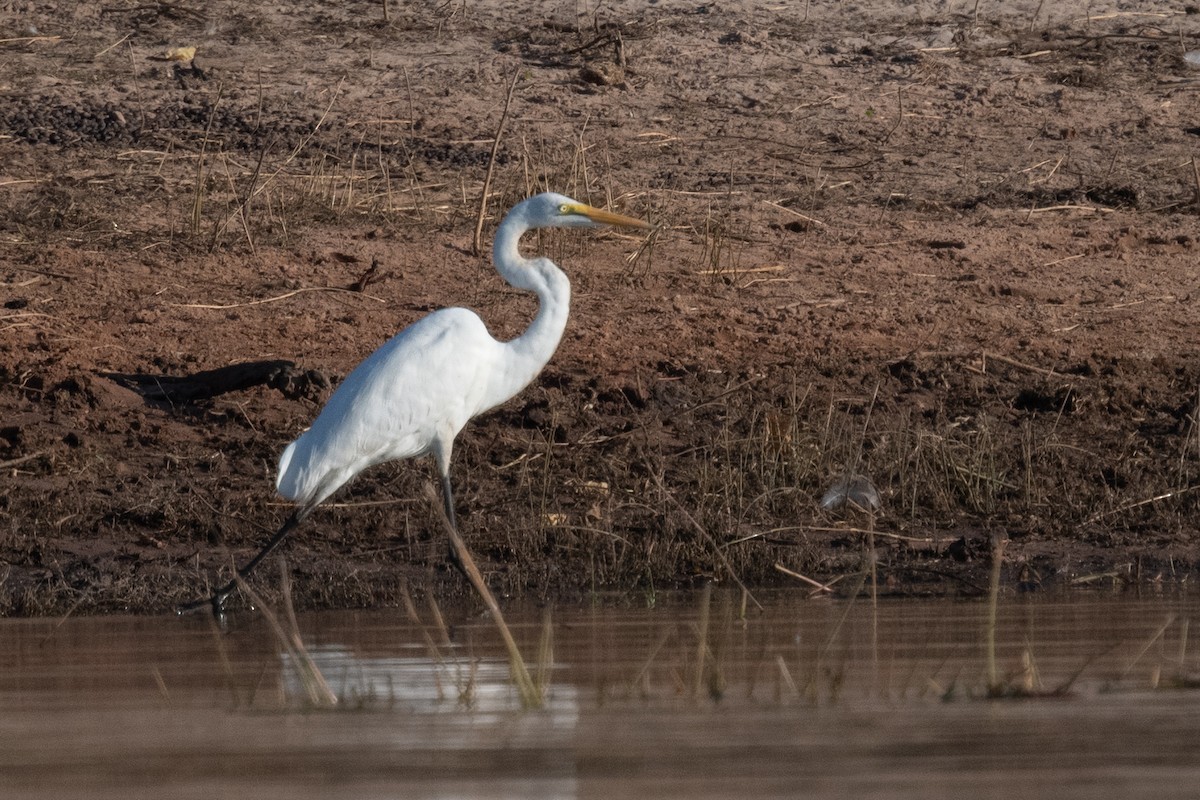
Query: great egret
[{"x": 415, "y": 393}]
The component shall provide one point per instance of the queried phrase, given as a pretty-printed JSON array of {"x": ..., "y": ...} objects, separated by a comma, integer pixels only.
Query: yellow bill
[{"x": 606, "y": 217}]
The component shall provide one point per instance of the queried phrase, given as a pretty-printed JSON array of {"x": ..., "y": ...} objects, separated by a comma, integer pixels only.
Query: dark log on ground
[{"x": 284, "y": 376}]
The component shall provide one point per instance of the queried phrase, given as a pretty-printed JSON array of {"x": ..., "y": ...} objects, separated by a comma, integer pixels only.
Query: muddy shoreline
[{"x": 955, "y": 254}]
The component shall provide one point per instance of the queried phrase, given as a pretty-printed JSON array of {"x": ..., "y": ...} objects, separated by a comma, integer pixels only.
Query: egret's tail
[
  {"x": 306, "y": 475},
  {"x": 288, "y": 481}
]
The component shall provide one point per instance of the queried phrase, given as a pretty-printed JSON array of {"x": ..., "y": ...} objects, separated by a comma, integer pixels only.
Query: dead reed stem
[
  {"x": 223, "y": 658},
  {"x": 862, "y": 579},
  {"x": 1158, "y": 634},
  {"x": 477, "y": 242},
  {"x": 284, "y": 296},
  {"x": 795, "y": 213},
  {"x": 1012, "y": 362},
  {"x": 531, "y": 698},
  {"x": 317, "y": 688},
  {"x": 241, "y": 212},
  {"x": 702, "y": 639},
  {"x": 1196, "y": 181},
  {"x": 12, "y": 462},
  {"x": 1148, "y": 501},
  {"x": 545, "y": 663},
  {"x": 22, "y": 39},
  {"x": 303, "y": 143},
  {"x": 873, "y": 566},
  {"x": 817, "y": 585},
  {"x": 198, "y": 194},
  {"x": 993, "y": 602}
]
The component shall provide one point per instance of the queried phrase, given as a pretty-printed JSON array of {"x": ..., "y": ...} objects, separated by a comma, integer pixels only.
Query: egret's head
[{"x": 551, "y": 210}]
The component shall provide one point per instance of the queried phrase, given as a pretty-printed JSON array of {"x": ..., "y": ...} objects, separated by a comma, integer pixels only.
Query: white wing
[{"x": 422, "y": 386}]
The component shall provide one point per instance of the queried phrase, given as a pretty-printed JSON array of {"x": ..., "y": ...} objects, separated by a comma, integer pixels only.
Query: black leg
[
  {"x": 448, "y": 499},
  {"x": 448, "y": 504},
  {"x": 217, "y": 601}
]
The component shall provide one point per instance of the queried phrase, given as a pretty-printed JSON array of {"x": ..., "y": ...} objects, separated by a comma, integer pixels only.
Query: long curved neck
[{"x": 529, "y": 352}]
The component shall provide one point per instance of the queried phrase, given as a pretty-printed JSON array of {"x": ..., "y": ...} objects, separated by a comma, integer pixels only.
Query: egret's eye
[{"x": 564, "y": 209}]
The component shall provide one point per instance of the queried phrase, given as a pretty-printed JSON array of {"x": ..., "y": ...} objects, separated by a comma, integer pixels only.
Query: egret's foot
[{"x": 216, "y": 603}]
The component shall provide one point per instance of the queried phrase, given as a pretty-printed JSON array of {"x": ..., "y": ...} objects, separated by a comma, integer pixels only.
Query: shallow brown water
[{"x": 804, "y": 699}]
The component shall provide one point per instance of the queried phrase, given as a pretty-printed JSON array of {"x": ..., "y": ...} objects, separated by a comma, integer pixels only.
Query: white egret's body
[
  {"x": 415, "y": 393},
  {"x": 393, "y": 406}
]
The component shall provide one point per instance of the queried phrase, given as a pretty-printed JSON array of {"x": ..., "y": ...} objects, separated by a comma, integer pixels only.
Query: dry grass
[
  {"x": 658, "y": 503},
  {"x": 317, "y": 693}
]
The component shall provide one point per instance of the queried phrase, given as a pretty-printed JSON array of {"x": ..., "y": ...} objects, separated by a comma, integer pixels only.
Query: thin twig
[
  {"x": 795, "y": 213},
  {"x": 477, "y": 242},
  {"x": 114, "y": 44},
  {"x": 1018, "y": 365},
  {"x": 899, "y": 114},
  {"x": 1148, "y": 501},
  {"x": 30, "y": 39},
  {"x": 1064, "y": 259},
  {"x": 1071, "y": 207},
  {"x": 219, "y": 229},
  {"x": 15, "y": 461},
  {"x": 824, "y": 587},
  {"x": 284, "y": 296},
  {"x": 66, "y": 615},
  {"x": 745, "y": 271}
]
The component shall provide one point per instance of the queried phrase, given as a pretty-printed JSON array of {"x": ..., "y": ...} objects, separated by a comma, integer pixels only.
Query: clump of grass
[
  {"x": 1024, "y": 683},
  {"x": 196, "y": 215},
  {"x": 1177, "y": 674},
  {"x": 317, "y": 692},
  {"x": 721, "y": 256},
  {"x": 477, "y": 242}
]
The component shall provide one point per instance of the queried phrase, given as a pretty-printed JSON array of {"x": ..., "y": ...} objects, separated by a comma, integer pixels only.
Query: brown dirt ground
[{"x": 953, "y": 253}]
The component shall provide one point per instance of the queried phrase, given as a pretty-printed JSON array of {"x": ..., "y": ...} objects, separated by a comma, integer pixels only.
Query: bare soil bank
[{"x": 953, "y": 253}]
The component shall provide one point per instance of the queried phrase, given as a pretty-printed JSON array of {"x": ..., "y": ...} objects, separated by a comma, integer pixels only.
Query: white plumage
[{"x": 422, "y": 386}]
